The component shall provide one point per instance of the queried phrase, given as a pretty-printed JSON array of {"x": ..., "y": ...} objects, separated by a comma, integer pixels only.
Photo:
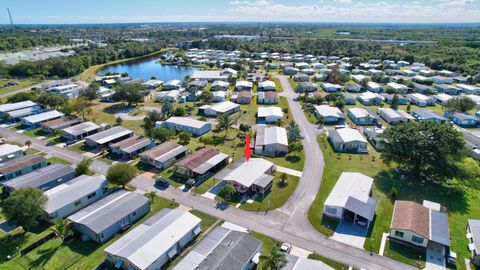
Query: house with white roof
[
  {"x": 254, "y": 175},
  {"x": 80, "y": 131},
  {"x": 9, "y": 152},
  {"x": 370, "y": 98},
  {"x": 468, "y": 89},
  {"x": 374, "y": 87},
  {"x": 193, "y": 126},
  {"x": 209, "y": 75},
  {"x": 331, "y": 115},
  {"x": 271, "y": 141},
  {"x": 164, "y": 155},
  {"x": 270, "y": 114},
  {"x": 243, "y": 86},
  {"x": 104, "y": 218},
  {"x": 220, "y": 86},
  {"x": 37, "y": 119},
  {"x": 442, "y": 98},
  {"x": 397, "y": 88},
  {"x": 173, "y": 85},
  {"x": 329, "y": 87},
  {"x": 222, "y": 108},
  {"x": 106, "y": 137},
  {"x": 421, "y": 100},
  {"x": 153, "y": 84},
  {"x": 473, "y": 237},
  {"x": 171, "y": 95},
  {"x": 361, "y": 116},
  {"x": 24, "y": 106},
  {"x": 359, "y": 78},
  {"x": 347, "y": 140},
  {"x": 266, "y": 86},
  {"x": 71, "y": 196},
  {"x": 155, "y": 242},
  {"x": 350, "y": 199},
  {"x": 393, "y": 116}
]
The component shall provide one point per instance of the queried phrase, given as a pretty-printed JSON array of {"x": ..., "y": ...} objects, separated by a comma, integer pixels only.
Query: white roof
[
  {"x": 109, "y": 134},
  {"x": 171, "y": 93},
  {"x": 7, "y": 149},
  {"x": 174, "y": 83},
  {"x": 249, "y": 172},
  {"x": 419, "y": 97},
  {"x": 326, "y": 110},
  {"x": 16, "y": 106},
  {"x": 368, "y": 95},
  {"x": 266, "y": 84},
  {"x": 220, "y": 83},
  {"x": 359, "y": 112},
  {"x": 274, "y": 135},
  {"x": 397, "y": 86},
  {"x": 208, "y": 74},
  {"x": 147, "y": 242},
  {"x": 154, "y": 83},
  {"x": 353, "y": 187},
  {"x": 468, "y": 87},
  {"x": 373, "y": 85},
  {"x": 395, "y": 113},
  {"x": 443, "y": 97},
  {"x": 270, "y": 111},
  {"x": 330, "y": 85},
  {"x": 223, "y": 106},
  {"x": 43, "y": 116},
  {"x": 244, "y": 84},
  {"x": 358, "y": 77},
  {"x": 350, "y": 135},
  {"x": 221, "y": 94},
  {"x": 186, "y": 121}
]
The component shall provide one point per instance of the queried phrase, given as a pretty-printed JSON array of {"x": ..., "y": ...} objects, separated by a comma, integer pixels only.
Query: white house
[
  {"x": 171, "y": 95},
  {"x": 266, "y": 86},
  {"x": 421, "y": 100},
  {"x": 9, "y": 152},
  {"x": 374, "y": 87},
  {"x": 398, "y": 88},
  {"x": 329, "y": 87},
  {"x": 270, "y": 114},
  {"x": 350, "y": 199},
  {"x": 392, "y": 116},
  {"x": 226, "y": 107},
  {"x": 330, "y": 114},
  {"x": 155, "y": 242},
  {"x": 442, "y": 98},
  {"x": 370, "y": 98},
  {"x": 271, "y": 141},
  {"x": 37, "y": 119},
  {"x": 193, "y": 126},
  {"x": 347, "y": 140}
]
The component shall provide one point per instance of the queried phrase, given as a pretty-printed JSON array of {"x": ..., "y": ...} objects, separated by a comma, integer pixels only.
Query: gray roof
[
  {"x": 147, "y": 242},
  {"x": 428, "y": 114},
  {"x": 109, "y": 135},
  {"x": 81, "y": 128},
  {"x": 297, "y": 263},
  {"x": 72, "y": 190},
  {"x": 474, "y": 225},
  {"x": 105, "y": 212},
  {"x": 132, "y": 144},
  {"x": 40, "y": 177},
  {"x": 221, "y": 249},
  {"x": 464, "y": 116},
  {"x": 16, "y": 106},
  {"x": 45, "y": 116},
  {"x": 439, "y": 232}
]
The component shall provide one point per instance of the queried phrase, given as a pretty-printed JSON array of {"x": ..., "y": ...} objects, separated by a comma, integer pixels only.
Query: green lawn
[
  {"x": 334, "y": 264},
  {"x": 406, "y": 254},
  {"x": 335, "y": 164},
  {"x": 277, "y": 196},
  {"x": 80, "y": 148},
  {"x": 278, "y": 85},
  {"x": 22, "y": 84},
  {"x": 76, "y": 254},
  {"x": 268, "y": 244},
  {"x": 37, "y": 132},
  {"x": 58, "y": 160}
]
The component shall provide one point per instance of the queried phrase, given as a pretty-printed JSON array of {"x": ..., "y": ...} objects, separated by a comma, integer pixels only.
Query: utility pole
[{"x": 10, "y": 16}]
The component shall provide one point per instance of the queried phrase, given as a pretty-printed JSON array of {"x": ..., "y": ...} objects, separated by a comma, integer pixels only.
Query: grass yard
[
  {"x": 268, "y": 244},
  {"x": 278, "y": 85},
  {"x": 22, "y": 84},
  {"x": 37, "y": 132},
  {"x": 76, "y": 254},
  {"x": 80, "y": 148},
  {"x": 293, "y": 83},
  {"x": 57, "y": 160},
  {"x": 406, "y": 254},
  {"x": 105, "y": 113},
  {"x": 277, "y": 196},
  {"x": 334, "y": 264},
  {"x": 335, "y": 164}
]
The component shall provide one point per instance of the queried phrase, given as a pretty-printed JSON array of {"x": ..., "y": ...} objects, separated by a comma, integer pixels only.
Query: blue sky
[{"x": 105, "y": 11}]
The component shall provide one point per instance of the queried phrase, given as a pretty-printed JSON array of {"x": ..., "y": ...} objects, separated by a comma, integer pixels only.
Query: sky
[{"x": 126, "y": 11}]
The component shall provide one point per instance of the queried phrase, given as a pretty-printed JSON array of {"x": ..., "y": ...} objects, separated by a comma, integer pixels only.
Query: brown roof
[
  {"x": 271, "y": 94},
  {"x": 19, "y": 163},
  {"x": 411, "y": 216},
  {"x": 160, "y": 149},
  {"x": 320, "y": 94},
  {"x": 244, "y": 94},
  {"x": 129, "y": 142},
  {"x": 62, "y": 122},
  {"x": 198, "y": 158}
]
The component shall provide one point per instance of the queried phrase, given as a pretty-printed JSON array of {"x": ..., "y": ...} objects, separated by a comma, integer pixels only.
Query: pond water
[{"x": 146, "y": 68}]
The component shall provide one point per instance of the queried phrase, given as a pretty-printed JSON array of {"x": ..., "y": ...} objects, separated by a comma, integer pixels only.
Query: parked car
[
  {"x": 190, "y": 183},
  {"x": 161, "y": 182},
  {"x": 286, "y": 247}
]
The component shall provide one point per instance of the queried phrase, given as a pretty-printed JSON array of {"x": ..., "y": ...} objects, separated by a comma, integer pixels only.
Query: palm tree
[
  {"x": 275, "y": 260},
  {"x": 284, "y": 179},
  {"x": 61, "y": 229},
  {"x": 225, "y": 122},
  {"x": 28, "y": 143},
  {"x": 151, "y": 196},
  {"x": 228, "y": 190}
]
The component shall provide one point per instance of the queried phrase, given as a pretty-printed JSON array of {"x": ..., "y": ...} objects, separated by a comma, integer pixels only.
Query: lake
[{"x": 146, "y": 68}]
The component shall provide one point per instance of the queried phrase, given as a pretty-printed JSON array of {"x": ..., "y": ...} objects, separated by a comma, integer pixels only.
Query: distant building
[
  {"x": 37, "y": 119},
  {"x": 106, "y": 137},
  {"x": 193, "y": 126},
  {"x": 331, "y": 115},
  {"x": 60, "y": 123},
  {"x": 80, "y": 131},
  {"x": 43, "y": 177},
  {"x": 20, "y": 166},
  {"x": 428, "y": 115}
]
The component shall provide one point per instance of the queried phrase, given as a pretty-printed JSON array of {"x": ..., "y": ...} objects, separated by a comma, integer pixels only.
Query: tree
[
  {"x": 244, "y": 128},
  {"x": 24, "y": 206},
  {"x": 334, "y": 76},
  {"x": 394, "y": 104},
  {"x": 295, "y": 147},
  {"x": 228, "y": 190},
  {"x": 340, "y": 104},
  {"x": 28, "y": 143},
  {"x": 61, "y": 228},
  {"x": 91, "y": 92},
  {"x": 81, "y": 107},
  {"x": 121, "y": 173},
  {"x": 130, "y": 93},
  {"x": 206, "y": 140},
  {"x": 275, "y": 260},
  {"x": 460, "y": 104},
  {"x": 83, "y": 167},
  {"x": 225, "y": 122},
  {"x": 294, "y": 132},
  {"x": 149, "y": 122},
  {"x": 427, "y": 150},
  {"x": 184, "y": 137},
  {"x": 162, "y": 134},
  {"x": 119, "y": 121},
  {"x": 151, "y": 196},
  {"x": 206, "y": 96},
  {"x": 179, "y": 111},
  {"x": 284, "y": 179},
  {"x": 167, "y": 107},
  {"x": 52, "y": 101}
]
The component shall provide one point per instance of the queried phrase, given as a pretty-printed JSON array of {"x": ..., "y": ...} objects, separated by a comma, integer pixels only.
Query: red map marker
[{"x": 247, "y": 151}]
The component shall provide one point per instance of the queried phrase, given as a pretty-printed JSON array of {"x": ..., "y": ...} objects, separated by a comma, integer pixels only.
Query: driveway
[{"x": 350, "y": 234}]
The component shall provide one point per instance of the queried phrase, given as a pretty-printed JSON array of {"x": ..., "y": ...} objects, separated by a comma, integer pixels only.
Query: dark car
[
  {"x": 162, "y": 182},
  {"x": 190, "y": 183}
]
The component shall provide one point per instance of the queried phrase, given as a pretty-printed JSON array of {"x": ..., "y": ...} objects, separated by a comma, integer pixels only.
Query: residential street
[{"x": 288, "y": 224}]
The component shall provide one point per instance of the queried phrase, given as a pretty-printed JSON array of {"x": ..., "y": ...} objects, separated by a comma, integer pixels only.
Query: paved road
[
  {"x": 288, "y": 224},
  {"x": 20, "y": 90}
]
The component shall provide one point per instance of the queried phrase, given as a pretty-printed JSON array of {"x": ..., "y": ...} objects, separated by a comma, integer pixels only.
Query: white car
[{"x": 286, "y": 247}]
